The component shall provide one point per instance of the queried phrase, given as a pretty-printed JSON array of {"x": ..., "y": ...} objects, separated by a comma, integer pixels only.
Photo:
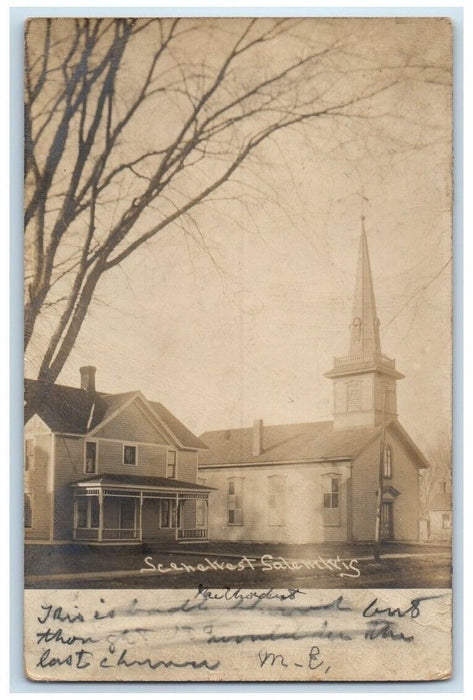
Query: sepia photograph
[{"x": 238, "y": 345}]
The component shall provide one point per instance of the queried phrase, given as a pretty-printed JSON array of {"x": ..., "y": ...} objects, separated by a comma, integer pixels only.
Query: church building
[{"x": 319, "y": 481}]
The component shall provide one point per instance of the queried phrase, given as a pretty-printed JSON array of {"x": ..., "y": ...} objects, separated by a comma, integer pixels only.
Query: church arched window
[{"x": 388, "y": 462}]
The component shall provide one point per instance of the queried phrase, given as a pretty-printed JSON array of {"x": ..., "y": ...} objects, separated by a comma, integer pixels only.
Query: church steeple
[
  {"x": 364, "y": 329},
  {"x": 364, "y": 381}
]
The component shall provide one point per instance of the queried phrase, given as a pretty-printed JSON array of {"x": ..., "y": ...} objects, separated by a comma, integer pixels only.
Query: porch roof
[{"x": 136, "y": 481}]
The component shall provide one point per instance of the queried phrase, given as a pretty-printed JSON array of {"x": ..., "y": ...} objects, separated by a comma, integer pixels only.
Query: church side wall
[
  {"x": 303, "y": 519},
  {"x": 405, "y": 480},
  {"x": 365, "y": 485}
]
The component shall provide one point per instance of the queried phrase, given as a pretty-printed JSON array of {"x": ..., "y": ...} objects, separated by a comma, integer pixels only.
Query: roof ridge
[
  {"x": 268, "y": 425},
  {"x": 78, "y": 388}
]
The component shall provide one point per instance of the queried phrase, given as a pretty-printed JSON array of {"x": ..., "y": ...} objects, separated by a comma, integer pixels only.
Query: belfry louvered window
[{"x": 354, "y": 396}]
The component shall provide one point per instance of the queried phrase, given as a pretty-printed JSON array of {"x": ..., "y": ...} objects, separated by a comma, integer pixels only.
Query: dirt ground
[{"x": 237, "y": 564}]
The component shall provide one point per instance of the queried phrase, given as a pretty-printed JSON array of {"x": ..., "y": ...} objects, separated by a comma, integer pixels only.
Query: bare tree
[
  {"x": 437, "y": 478},
  {"x": 132, "y": 124}
]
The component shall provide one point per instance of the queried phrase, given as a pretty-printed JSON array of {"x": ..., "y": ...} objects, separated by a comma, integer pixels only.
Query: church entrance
[{"x": 387, "y": 529}]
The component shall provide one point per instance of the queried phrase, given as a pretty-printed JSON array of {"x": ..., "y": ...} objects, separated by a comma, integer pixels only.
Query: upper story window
[
  {"x": 354, "y": 396},
  {"x": 29, "y": 453},
  {"x": 129, "y": 455},
  {"x": 235, "y": 501},
  {"x": 90, "y": 457},
  {"x": 276, "y": 500},
  {"x": 331, "y": 499},
  {"x": 388, "y": 462},
  {"x": 171, "y": 464}
]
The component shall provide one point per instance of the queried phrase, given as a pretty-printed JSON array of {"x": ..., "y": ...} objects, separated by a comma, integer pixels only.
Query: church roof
[
  {"x": 295, "y": 443},
  {"x": 67, "y": 409},
  {"x": 299, "y": 441}
]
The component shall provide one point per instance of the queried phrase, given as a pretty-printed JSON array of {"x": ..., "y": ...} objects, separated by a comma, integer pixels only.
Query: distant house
[
  {"x": 318, "y": 481},
  {"x": 107, "y": 468},
  {"x": 440, "y": 513}
]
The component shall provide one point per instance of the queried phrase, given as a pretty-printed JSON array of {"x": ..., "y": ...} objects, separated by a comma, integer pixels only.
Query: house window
[
  {"x": 87, "y": 511},
  {"x": 90, "y": 457},
  {"x": 354, "y": 396},
  {"x": 127, "y": 513},
  {"x": 331, "y": 499},
  {"x": 82, "y": 511},
  {"x": 168, "y": 513},
  {"x": 29, "y": 454},
  {"x": 129, "y": 455},
  {"x": 171, "y": 464},
  {"x": 276, "y": 500},
  {"x": 446, "y": 521},
  {"x": 201, "y": 512},
  {"x": 388, "y": 462},
  {"x": 94, "y": 511},
  {"x": 235, "y": 501},
  {"x": 28, "y": 514}
]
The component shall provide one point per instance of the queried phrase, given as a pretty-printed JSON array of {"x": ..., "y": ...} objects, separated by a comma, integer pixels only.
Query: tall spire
[
  {"x": 364, "y": 381},
  {"x": 364, "y": 329}
]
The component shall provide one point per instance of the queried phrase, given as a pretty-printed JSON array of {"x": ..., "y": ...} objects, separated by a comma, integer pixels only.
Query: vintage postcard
[{"x": 238, "y": 349}]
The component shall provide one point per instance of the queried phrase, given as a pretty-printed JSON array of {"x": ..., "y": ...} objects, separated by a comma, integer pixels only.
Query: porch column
[
  {"x": 74, "y": 522},
  {"x": 140, "y": 517},
  {"x": 100, "y": 515},
  {"x": 177, "y": 516}
]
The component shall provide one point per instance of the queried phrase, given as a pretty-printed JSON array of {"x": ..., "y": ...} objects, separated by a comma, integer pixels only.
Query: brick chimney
[
  {"x": 258, "y": 437},
  {"x": 87, "y": 378}
]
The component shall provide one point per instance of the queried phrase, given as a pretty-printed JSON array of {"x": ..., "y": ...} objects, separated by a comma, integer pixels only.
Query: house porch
[{"x": 127, "y": 513}]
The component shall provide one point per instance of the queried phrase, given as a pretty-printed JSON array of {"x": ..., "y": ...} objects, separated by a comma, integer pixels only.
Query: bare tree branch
[{"x": 92, "y": 179}]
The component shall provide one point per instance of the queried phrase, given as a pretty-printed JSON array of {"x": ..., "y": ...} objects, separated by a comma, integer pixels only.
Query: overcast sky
[{"x": 249, "y": 331}]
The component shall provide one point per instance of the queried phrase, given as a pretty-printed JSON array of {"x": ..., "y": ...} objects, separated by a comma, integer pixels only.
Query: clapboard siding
[
  {"x": 69, "y": 460},
  {"x": 187, "y": 466},
  {"x": 38, "y": 484},
  {"x": 151, "y": 459},
  {"x": 303, "y": 519},
  {"x": 365, "y": 485},
  {"x": 69, "y": 467}
]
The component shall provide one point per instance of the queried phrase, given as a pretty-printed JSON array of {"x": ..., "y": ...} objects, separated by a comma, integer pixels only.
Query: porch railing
[
  {"x": 91, "y": 534},
  {"x": 86, "y": 533},
  {"x": 120, "y": 534},
  {"x": 192, "y": 533}
]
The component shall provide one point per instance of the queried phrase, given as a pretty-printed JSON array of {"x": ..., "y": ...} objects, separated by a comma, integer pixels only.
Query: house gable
[
  {"x": 36, "y": 425},
  {"x": 132, "y": 423}
]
